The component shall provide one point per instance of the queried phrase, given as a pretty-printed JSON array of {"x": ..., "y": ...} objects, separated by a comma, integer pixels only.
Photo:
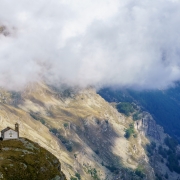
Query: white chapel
[{"x": 9, "y": 133}]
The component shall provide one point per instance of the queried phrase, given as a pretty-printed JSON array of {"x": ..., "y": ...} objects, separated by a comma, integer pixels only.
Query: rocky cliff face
[
  {"x": 162, "y": 150},
  {"x": 86, "y": 133},
  {"x": 24, "y": 159}
]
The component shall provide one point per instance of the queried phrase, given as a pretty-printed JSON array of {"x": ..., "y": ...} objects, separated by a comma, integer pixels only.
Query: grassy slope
[
  {"x": 82, "y": 120},
  {"x": 22, "y": 159}
]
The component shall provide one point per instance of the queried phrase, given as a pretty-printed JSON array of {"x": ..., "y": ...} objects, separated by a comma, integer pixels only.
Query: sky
[{"x": 124, "y": 43}]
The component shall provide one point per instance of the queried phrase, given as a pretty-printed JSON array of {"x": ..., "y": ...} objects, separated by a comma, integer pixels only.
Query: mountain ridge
[{"x": 86, "y": 133}]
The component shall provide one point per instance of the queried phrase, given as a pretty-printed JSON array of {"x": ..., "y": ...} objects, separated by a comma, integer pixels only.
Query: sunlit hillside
[{"x": 87, "y": 134}]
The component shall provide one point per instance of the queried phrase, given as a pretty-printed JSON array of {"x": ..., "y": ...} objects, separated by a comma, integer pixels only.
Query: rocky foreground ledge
[{"x": 22, "y": 159}]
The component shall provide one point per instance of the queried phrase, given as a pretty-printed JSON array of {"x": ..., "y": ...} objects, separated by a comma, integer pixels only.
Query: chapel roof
[{"x": 6, "y": 129}]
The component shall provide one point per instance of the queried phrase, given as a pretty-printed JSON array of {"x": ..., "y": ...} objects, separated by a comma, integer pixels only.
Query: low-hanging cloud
[{"x": 123, "y": 43}]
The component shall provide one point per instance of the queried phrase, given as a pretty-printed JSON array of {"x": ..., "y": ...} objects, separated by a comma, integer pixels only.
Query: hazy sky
[{"x": 104, "y": 43}]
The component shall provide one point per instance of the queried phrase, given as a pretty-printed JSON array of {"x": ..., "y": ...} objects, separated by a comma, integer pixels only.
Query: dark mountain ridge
[{"x": 163, "y": 105}]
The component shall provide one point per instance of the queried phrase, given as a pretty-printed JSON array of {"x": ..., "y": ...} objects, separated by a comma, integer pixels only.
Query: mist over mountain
[
  {"x": 94, "y": 83},
  {"x": 126, "y": 43}
]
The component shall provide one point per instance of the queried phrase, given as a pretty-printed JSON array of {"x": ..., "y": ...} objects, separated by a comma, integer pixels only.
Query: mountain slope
[
  {"x": 164, "y": 105},
  {"x": 86, "y": 133},
  {"x": 23, "y": 159}
]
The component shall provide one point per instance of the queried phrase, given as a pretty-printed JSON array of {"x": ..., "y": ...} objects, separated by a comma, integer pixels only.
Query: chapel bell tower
[{"x": 17, "y": 128}]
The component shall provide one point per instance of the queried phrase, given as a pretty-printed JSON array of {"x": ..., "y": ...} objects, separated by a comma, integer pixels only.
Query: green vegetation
[
  {"x": 136, "y": 116},
  {"x": 54, "y": 131},
  {"x": 125, "y": 108},
  {"x": 78, "y": 176},
  {"x": 93, "y": 172},
  {"x": 150, "y": 148},
  {"x": 129, "y": 131},
  {"x": 97, "y": 152},
  {"x": 67, "y": 143},
  {"x": 42, "y": 121},
  {"x": 73, "y": 178},
  {"x": 37, "y": 117},
  {"x": 98, "y": 122},
  {"x": 75, "y": 155},
  {"x": 22, "y": 159},
  {"x": 163, "y": 104},
  {"x": 171, "y": 143},
  {"x": 170, "y": 154},
  {"x": 66, "y": 125},
  {"x": 129, "y": 109},
  {"x": 140, "y": 172},
  {"x": 112, "y": 168},
  {"x": 163, "y": 152},
  {"x": 173, "y": 163}
]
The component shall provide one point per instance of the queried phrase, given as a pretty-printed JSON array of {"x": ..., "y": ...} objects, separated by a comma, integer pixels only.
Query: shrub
[
  {"x": 172, "y": 158},
  {"x": 42, "y": 121},
  {"x": 112, "y": 168},
  {"x": 73, "y": 178},
  {"x": 162, "y": 152},
  {"x": 166, "y": 176},
  {"x": 173, "y": 163},
  {"x": 150, "y": 148},
  {"x": 93, "y": 173},
  {"x": 125, "y": 108},
  {"x": 98, "y": 121},
  {"x": 129, "y": 131},
  {"x": 171, "y": 143},
  {"x": 53, "y": 130},
  {"x": 136, "y": 116},
  {"x": 139, "y": 172},
  {"x": 69, "y": 147},
  {"x": 96, "y": 151},
  {"x": 68, "y": 144},
  {"x": 78, "y": 176},
  {"x": 65, "y": 125},
  {"x": 153, "y": 145},
  {"x": 127, "y": 134},
  {"x": 38, "y": 118}
]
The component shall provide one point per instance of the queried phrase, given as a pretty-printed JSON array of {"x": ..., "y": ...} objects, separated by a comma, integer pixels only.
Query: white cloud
[{"x": 125, "y": 43}]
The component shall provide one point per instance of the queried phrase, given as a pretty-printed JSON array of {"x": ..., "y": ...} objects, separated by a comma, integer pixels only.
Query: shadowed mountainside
[{"x": 163, "y": 105}]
